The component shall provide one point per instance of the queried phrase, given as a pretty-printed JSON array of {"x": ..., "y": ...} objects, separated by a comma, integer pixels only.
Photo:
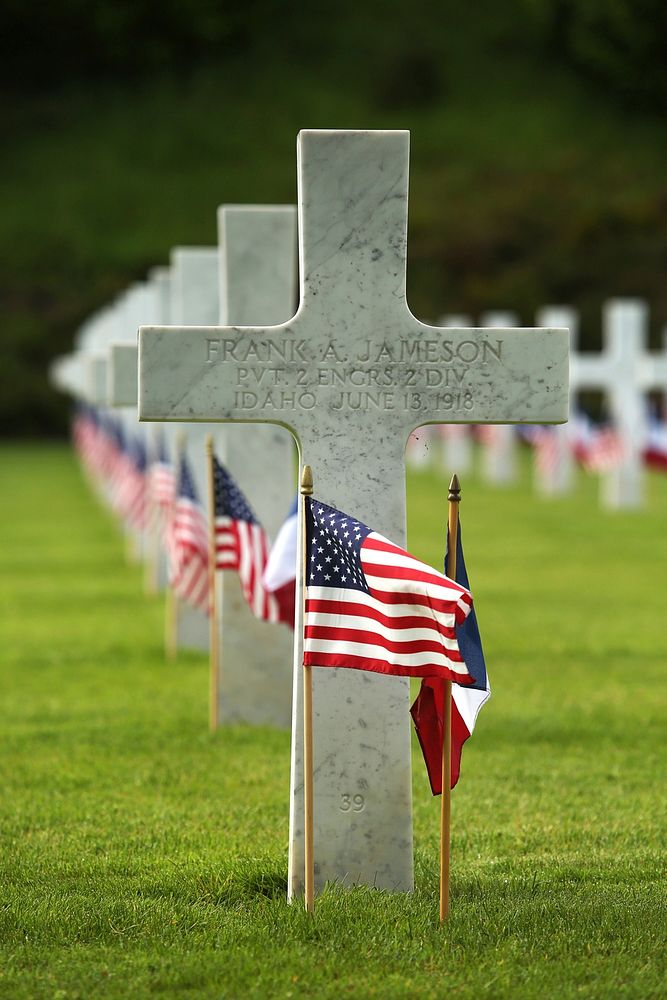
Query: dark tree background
[{"x": 537, "y": 149}]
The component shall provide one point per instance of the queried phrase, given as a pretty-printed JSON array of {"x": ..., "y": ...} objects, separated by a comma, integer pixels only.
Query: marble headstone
[
  {"x": 258, "y": 286},
  {"x": 353, "y": 373},
  {"x": 499, "y": 461},
  {"x": 625, "y": 370},
  {"x": 556, "y": 476},
  {"x": 194, "y": 300}
]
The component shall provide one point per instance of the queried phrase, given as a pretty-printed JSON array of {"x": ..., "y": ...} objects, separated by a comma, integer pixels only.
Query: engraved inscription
[
  {"x": 352, "y": 803},
  {"x": 287, "y": 373}
]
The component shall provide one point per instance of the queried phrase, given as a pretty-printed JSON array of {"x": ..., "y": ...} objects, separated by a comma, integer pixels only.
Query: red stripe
[
  {"x": 382, "y": 667},
  {"x": 421, "y": 600},
  {"x": 334, "y": 634},
  {"x": 327, "y": 607},
  {"x": 408, "y": 573},
  {"x": 249, "y": 563}
]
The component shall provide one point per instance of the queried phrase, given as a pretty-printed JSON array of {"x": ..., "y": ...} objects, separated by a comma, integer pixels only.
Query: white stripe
[
  {"x": 343, "y": 596},
  {"x": 272, "y": 608},
  {"x": 244, "y": 554},
  {"x": 370, "y": 625},
  {"x": 439, "y": 587},
  {"x": 398, "y": 557},
  {"x": 369, "y": 651},
  {"x": 258, "y": 592}
]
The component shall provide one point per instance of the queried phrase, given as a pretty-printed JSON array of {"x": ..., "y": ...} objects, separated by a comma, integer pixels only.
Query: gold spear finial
[
  {"x": 454, "y": 495},
  {"x": 307, "y": 481}
]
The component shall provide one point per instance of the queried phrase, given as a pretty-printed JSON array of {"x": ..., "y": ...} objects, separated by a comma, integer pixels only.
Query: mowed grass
[{"x": 142, "y": 856}]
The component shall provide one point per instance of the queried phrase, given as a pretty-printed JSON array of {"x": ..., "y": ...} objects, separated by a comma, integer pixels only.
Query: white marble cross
[
  {"x": 258, "y": 284},
  {"x": 625, "y": 371},
  {"x": 556, "y": 477},
  {"x": 499, "y": 460},
  {"x": 352, "y": 374},
  {"x": 194, "y": 298},
  {"x": 143, "y": 300}
]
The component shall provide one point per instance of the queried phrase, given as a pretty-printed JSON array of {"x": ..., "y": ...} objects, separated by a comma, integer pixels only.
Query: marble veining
[{"x": 257, "y": 285}]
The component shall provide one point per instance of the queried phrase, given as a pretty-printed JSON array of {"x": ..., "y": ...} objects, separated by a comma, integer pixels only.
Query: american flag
[
  {"x": 84, "y": 433},
  {"x": 546, "y": 443},
  {"x": 655, "y": 451},
  {"x": 372, "y": 606},
  {"x": 131, "y": 488},
  {"x": 241, "y": 544},
  {"x": 162, "y": 486},
  {"x": 605, "y": 450},
  {"x": 187, "y": 543}
]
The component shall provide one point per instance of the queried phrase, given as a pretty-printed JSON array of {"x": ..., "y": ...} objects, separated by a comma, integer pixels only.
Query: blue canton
[
  {"x": 229, "y": 500},
  {"x": 161, "y": 450},
  {"x": 138, "y": 452},
  {"x": 186, "y": 484},
  {"x": 116, "y": 432},
  {"x": 334, "y": 547}
]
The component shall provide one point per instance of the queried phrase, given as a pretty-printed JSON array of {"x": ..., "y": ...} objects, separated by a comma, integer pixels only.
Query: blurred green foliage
[
  {"x": 619, "y": 43},
  {"x": 126, "y": 125}
]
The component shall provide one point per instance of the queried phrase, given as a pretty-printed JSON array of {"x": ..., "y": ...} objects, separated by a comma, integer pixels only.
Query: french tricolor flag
[
  {"x": 655, "y": 452},
  {"x": 428, "y": 708},
  {"x": 280, "y": 573}
]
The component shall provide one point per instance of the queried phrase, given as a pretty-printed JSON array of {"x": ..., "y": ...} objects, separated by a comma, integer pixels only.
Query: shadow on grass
[{"x": 248, "y": 880}]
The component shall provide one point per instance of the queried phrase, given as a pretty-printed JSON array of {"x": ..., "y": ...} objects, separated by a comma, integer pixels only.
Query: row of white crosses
[
  {"x": 498, "y": 456},
  {"x": 625, "y": 371},
  {"x": 351, "y": 375},
  {"x": 251, "y": 278}
]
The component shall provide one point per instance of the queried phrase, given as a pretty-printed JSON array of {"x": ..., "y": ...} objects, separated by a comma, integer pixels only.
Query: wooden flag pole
[
  {"x": 309, "y": 861},
  {"x": 170, "y": 618},
  {"x": 171, "y": 602},
  {"x": 214, "y": 652},
  {"x": 454, "y": 498},
  {"x": 152, "y": 533}
]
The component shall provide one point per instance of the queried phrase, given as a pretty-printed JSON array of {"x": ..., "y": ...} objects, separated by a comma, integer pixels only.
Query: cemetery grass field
[{"x": 142, "y": 856}]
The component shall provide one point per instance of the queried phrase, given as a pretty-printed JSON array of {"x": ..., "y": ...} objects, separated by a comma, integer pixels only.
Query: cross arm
[
  {"x": 221, "y": 374},
  {"x": 122, "y": 375}
]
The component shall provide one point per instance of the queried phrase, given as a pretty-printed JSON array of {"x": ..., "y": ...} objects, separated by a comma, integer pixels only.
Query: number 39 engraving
[{"x": 352, "y": 803}]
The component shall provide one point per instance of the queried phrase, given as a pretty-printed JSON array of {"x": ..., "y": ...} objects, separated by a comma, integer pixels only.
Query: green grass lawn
[{"x": 141, "y": 856}]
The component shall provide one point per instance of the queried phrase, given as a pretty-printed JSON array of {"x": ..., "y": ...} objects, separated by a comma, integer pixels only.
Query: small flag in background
[
  {"x": 241, "y": 544},
  {"x": 655, "y": 452},
  {"x": 606, "y": 450},
  {"x": 280, "y": 573},
  {"x": 162, "y": 476},
  {"x": 428, "y": 708},
  {"x": 187, "y": 543},
  {"x": 131, "y": 493},
  {"x": 372, "y": 606}
]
